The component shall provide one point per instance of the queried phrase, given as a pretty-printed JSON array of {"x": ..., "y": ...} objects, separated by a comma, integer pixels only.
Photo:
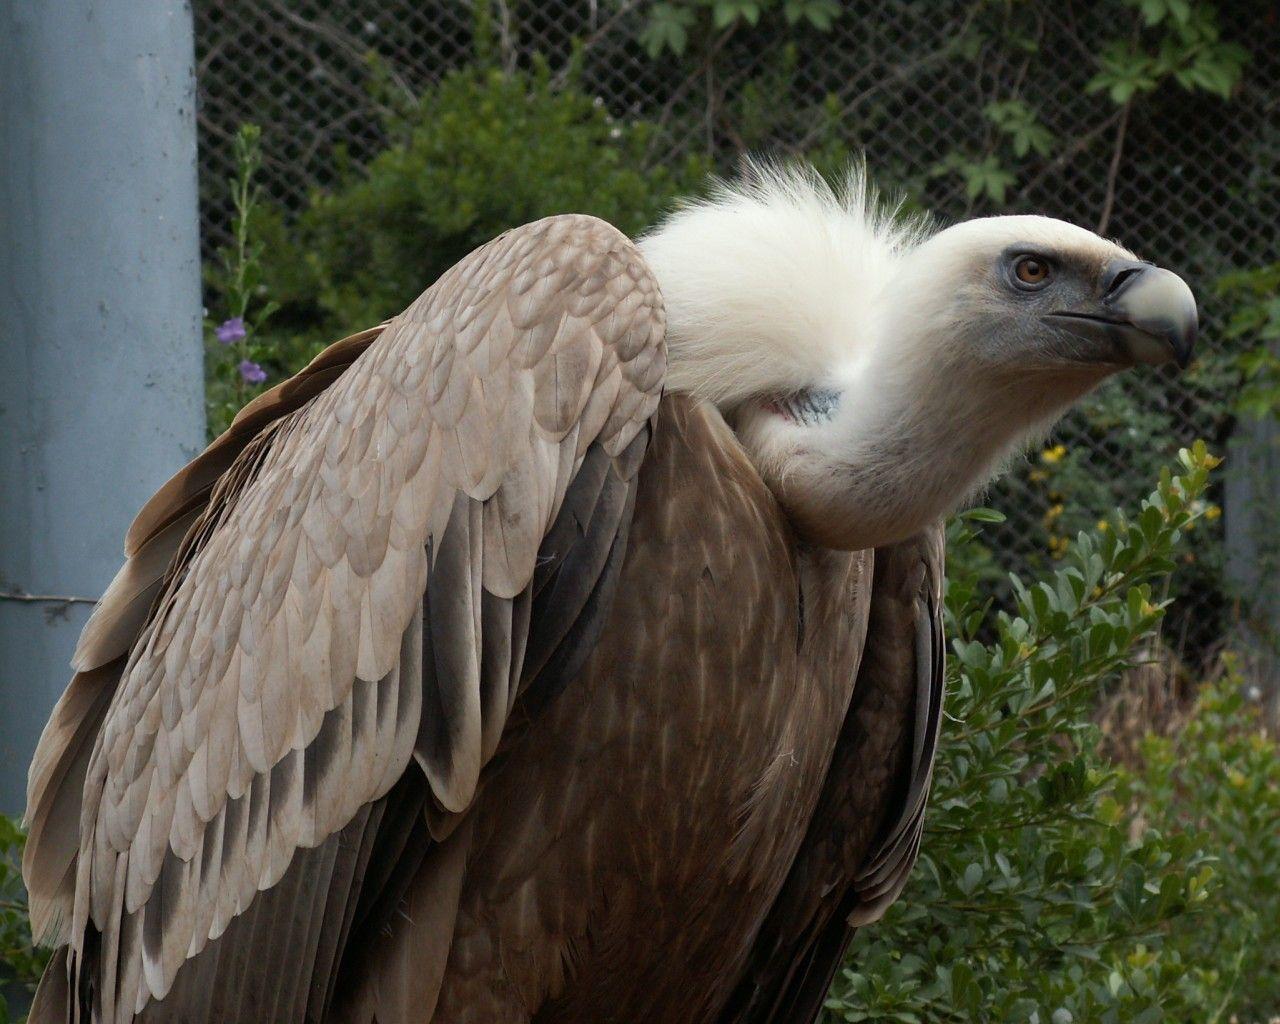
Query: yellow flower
[
  {"x": 1053, "y": 513},
  {"x": 1212, "y": 513},
  {"x": 1103, "y": 526},
  {"x": 1054, "y": 454},
  {"x": 1038, "y": 476}
]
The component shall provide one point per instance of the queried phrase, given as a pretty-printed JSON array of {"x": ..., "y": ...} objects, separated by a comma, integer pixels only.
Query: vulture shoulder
[
  {"x": 326, "y": 620},
  {"x": 864, "y": 835}
]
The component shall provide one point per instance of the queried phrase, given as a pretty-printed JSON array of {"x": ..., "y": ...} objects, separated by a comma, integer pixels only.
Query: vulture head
[{"x": 878, "y": 372}]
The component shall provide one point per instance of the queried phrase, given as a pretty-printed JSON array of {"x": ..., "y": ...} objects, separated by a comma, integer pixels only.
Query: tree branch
[
  {"x": 1078, "y": 145},
  {"x": 1114, "y": 171}
]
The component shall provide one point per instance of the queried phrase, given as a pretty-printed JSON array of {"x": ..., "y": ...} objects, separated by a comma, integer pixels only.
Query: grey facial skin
[{"x": 1145, "y": 315}]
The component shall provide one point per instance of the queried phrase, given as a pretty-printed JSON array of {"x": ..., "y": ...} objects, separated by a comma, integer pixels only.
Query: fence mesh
[{"x": 1184, "y": 178}]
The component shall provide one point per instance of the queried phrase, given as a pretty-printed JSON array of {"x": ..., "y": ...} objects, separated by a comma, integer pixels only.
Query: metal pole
[
  {"x": 1253, "y": 555},
  {"x": 100, "y": 347}
]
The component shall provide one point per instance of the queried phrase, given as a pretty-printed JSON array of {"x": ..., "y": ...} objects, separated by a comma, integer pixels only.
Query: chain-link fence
[{"x": 1183, "y": 177}]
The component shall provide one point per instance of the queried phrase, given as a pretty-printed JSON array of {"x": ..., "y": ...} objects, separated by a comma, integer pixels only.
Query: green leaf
[
  {"x": 726, "y": 12},
  {"x": 821, "y": 14},
  {"x": 667, "y": 29},
  {"x": 983, "y": 515}
]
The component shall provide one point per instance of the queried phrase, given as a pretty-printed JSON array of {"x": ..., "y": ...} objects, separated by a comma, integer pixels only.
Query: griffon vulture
[{"x": 566, "y": 649}]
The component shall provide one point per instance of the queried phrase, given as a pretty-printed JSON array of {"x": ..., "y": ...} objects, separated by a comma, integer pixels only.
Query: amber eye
[{"x": 1031, "y": 271}]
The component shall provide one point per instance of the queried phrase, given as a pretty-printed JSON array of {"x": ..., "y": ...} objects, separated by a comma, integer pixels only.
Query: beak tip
[
  {"x": 1146, "y": 316},
  {"x": 1160, "y": 303}
]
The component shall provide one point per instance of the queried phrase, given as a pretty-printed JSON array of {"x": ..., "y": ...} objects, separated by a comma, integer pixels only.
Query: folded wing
[{"x": 350, "y": 599}]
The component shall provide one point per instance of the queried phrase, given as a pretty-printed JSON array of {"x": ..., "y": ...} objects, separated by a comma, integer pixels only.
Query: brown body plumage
[{"x": 468, "y": 679}]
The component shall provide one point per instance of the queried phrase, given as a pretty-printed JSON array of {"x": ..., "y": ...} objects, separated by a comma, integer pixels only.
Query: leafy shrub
[
  {"x": 1031, "y": 901},
  {"x": 1216, "y": 780},
  {"x": 481, "y": 152},
  {"x": 1256, "y": 320}
]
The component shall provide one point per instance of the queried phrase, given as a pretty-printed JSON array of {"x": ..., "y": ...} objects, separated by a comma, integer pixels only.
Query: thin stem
[
  {"x": 1008, "y": 826},
  {"x": 1113, "y": 172},
  {"x": 1081, "y": 143},
  {"x": 624, "y": 8},
  {"x": 660, "y": 125},
  {"x": 1230, "y": 990}
]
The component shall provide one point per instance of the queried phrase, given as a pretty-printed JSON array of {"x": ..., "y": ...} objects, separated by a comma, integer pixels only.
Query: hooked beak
[{"x": 1145, "y": 315}]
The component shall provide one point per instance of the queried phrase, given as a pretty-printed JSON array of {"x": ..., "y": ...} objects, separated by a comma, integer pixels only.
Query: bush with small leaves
[
  {"x": 1216, "y": 782},
  {"x": 479, "y": 153},
  {"x": 1032, "y": 902}
]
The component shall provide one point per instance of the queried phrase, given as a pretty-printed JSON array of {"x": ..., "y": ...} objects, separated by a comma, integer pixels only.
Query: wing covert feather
[{"x": 278, "y": 685}]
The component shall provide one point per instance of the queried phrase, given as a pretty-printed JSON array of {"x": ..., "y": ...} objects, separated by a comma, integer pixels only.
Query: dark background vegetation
[{"x": 399, "y": 135}]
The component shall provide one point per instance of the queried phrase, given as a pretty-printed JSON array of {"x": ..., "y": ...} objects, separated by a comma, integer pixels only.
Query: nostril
[{"x": 1119, "y": 278}]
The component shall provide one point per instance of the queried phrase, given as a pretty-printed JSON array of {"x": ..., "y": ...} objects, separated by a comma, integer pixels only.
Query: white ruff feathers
[{"x": 768, "y": 282}]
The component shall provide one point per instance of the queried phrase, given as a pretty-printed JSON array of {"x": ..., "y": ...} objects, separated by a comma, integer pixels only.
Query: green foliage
[
  {"x": 821, "y": 14},
  {"x": 234, "y": 346},
  {"x": 20, "y": 962},
  {"x": 667, "y": 29},
  {"x": 1255, "y": 322},
  {"x": 1167, "y": 42},
  {"x": 984, "y": 176},
  {"x": 1032, "y": 901},
  {"x": 1074, "y": 491},
  {"x": 1021, "y": 124},
  {"x": 482, "y": 151},
  {"x": 1181, "y": 42},
  {"x": 670, "y": 24},
  {"x": 1216, "y": 781}
]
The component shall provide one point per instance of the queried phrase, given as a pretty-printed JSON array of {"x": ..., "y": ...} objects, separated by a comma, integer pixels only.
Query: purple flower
[
  {"x": 251, "y": 372},
  {"x": 230, "y": 331}
]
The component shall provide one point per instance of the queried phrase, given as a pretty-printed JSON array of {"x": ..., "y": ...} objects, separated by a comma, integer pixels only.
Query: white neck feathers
[
  {"x": 782, "y": 286},
  {"x": 771, "y": 284}
]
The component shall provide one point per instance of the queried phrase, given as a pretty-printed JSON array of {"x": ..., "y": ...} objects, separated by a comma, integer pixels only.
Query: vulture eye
[{"x": 1031, "y": 272}]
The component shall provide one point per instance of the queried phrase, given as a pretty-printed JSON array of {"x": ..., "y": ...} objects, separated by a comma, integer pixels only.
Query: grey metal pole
[
  {"x": 100, "y": 350},
  {"x": 1253, "y": 554}
]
